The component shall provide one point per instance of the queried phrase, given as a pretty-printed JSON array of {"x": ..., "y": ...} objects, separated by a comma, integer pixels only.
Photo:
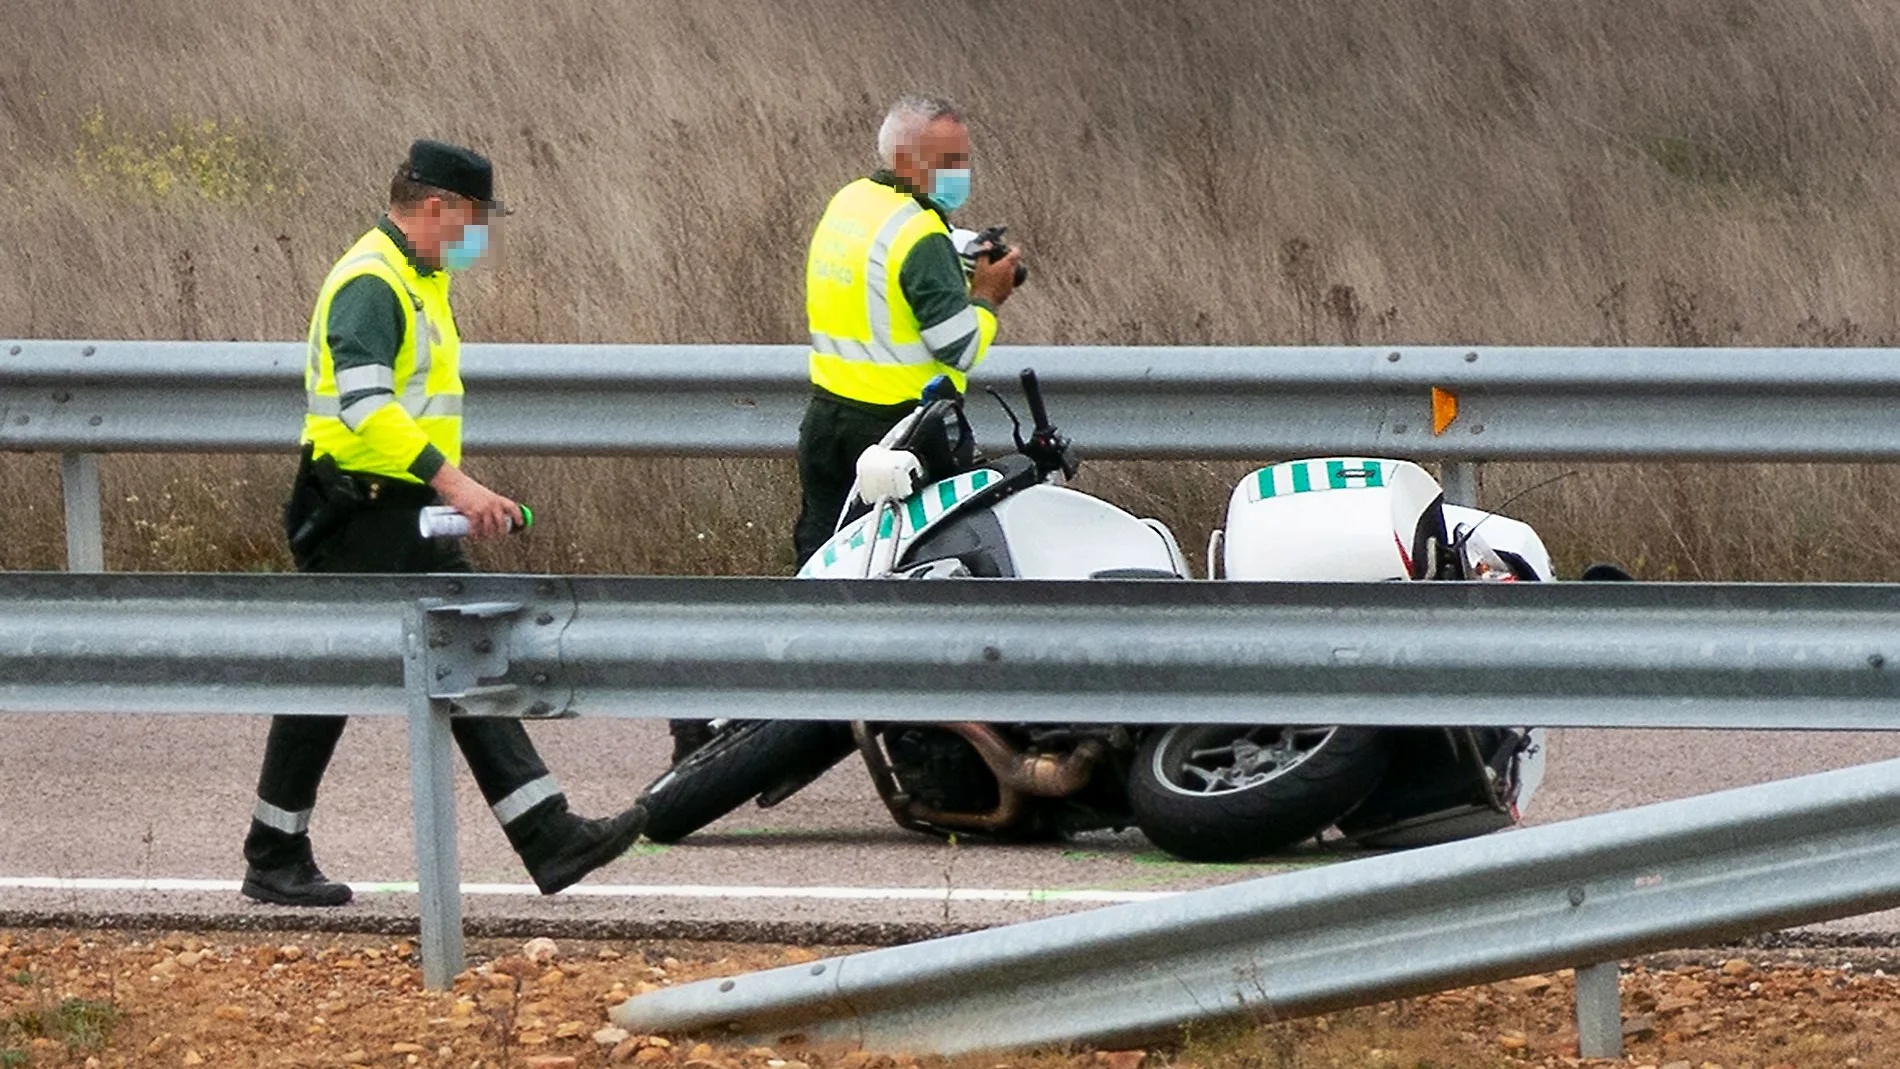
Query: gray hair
[{"x": 906, "y": 120}]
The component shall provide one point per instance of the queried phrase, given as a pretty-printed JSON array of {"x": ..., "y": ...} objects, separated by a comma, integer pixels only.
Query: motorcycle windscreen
[
  {"x": 1331, "y": 518},
  {"x": 1502, "y": 533}
]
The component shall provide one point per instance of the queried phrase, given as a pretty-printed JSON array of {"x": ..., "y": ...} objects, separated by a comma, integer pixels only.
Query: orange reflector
[{"x": 1444, "y": 409}]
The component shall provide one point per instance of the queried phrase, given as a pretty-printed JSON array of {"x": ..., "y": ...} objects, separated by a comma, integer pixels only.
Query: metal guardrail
[
  {"x": 1740, "y": 656},
  {"x": 1135, "y": 651},
  {"x": 83, "y": 398},
  {"x": 1515, "y": 403},
  {"x": 1583, "y": 891}
]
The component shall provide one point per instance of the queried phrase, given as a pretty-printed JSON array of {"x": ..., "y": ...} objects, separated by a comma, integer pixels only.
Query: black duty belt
[
  {"x": 894, "y": 412},
  {"x": 383, "y": 492}
]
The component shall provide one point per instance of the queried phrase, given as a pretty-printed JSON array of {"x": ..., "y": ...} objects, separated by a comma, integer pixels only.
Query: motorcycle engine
[{"x": 941, "y": 770}]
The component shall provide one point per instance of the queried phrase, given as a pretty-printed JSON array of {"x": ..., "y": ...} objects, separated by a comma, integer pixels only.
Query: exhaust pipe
[
  {"x": 1018, "y": 775},
  {"x": 1042, "y": 775}
]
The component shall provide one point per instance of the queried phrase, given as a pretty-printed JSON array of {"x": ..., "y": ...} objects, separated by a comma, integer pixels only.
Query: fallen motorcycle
[{"x": 1200, "y": 792}]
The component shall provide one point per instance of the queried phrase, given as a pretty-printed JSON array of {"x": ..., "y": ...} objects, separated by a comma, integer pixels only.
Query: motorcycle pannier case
[{"x": 1334, "y": 518}]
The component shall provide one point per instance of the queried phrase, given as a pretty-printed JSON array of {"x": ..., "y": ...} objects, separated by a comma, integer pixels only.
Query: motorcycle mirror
[
  {"x": 1512, "y": 500},
  {"x": 1015, "y": 425}
]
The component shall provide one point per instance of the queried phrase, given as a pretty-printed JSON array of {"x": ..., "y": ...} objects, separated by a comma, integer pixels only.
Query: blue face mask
[
  {"x": 950, "y": 187},
  {"x": 462, "y": 253}
]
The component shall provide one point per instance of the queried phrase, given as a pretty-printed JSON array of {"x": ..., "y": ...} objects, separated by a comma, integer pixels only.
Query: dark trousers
[
  {"x": 832, "y": 434},
  {"x": 379, "y": 536}
]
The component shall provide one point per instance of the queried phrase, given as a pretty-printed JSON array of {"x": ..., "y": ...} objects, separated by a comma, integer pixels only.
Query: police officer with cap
[{"x": 382, "y": 439}]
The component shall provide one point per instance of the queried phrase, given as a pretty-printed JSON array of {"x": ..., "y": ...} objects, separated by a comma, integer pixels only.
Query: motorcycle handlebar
[{"x": 1032, "y": 392}]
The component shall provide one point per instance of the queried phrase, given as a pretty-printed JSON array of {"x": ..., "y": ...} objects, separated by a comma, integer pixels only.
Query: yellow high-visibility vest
[
  {"x": 380, "y": 435},
  {"x": 866, "y": 342}
]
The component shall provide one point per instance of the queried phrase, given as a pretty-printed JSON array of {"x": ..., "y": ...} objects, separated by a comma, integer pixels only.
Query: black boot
[
  {"x": 559, "y": 847},
  {"x": 280, "y": 868},
  {"x": 299, "y": 883}
]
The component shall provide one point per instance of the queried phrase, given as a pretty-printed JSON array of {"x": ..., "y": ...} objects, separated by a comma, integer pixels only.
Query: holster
[{"x": 322, "y": 500}]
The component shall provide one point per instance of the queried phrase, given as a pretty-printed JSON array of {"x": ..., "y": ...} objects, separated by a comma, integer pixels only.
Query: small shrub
[
  {"x": 81, "y": 1024},
  {"x": 222, "y": 162},
  {"x": 1689, "y": 160}
]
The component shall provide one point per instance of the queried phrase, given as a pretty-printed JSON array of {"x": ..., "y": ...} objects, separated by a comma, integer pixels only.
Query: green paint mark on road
[{"x": 1159, "y": 859}]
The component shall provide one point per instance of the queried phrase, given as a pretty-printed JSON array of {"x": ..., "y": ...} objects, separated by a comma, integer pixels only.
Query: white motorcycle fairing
[
  {"x": 1056, "y": 533},
  {"x": 1050, "y": 532}
]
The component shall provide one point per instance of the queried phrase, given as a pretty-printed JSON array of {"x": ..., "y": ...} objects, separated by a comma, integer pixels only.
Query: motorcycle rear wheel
[
  {"x": 743, "y": 760},
  {"x": 1229, "y": 792}
]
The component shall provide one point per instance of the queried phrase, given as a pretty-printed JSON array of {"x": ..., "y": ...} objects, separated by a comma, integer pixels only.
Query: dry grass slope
[{"x": 1687, "y": 172}]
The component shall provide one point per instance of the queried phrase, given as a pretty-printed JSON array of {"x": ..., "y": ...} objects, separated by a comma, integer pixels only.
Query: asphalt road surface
[{"x": 113, "y": 819}]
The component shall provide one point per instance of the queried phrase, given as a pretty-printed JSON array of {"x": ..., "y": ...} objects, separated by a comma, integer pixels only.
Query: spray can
[{"x": 443, "y": 521}]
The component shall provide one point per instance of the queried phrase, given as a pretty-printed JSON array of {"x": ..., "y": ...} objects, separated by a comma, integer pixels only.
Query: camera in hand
[{"x": 986, "y": 244}]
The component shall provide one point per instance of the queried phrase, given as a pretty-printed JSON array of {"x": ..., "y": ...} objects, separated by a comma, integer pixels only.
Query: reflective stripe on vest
[
  {"x": 444, "y": 404},
  {"x": 877, "y": 303}
]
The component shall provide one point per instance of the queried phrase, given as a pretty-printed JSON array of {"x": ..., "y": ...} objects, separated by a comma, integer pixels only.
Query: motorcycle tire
[
  {"x": 1278, "y": 787},
  {"x": 744, "y": 760}
]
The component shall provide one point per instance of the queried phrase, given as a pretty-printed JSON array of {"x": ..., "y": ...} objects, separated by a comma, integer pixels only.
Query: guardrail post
[
  {"x": 1460, "y": 480},
  {"x": 85, "y": 531},
  {"x": 1599, "y": 1011},
  {"x": 432, "y": 783}
]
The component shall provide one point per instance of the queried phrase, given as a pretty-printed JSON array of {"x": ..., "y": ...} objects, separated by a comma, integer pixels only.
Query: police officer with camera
[
  {"x": 892, "y": 303},
  {"x": 382, "y": 439},
  {"x": 888, "y": 302}
]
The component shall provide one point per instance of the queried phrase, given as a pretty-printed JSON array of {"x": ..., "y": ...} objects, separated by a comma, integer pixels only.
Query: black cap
[{"x": 454, "y": 169}]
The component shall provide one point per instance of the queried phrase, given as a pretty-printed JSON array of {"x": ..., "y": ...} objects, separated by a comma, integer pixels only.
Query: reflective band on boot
[{"x": 524, "y": 798}]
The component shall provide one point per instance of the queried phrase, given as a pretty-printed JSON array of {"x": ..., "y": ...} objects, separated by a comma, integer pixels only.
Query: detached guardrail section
[
  {"x": 1571, "y": 894},
  {"x": 1135, "y": 651},
  {"x": 84, "y": 398}
]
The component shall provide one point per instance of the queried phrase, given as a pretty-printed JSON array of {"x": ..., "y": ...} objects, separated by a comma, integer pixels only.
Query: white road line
[{"x": 647, "y": 890}]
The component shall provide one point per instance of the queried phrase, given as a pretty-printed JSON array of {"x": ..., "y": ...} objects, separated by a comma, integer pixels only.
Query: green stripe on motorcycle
[
  {"x": 920, "y": 510},
  {"x": 1339, "y": 476}
]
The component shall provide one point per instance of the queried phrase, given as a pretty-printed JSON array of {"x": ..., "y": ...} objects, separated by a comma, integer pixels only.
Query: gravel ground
[{"x": 111, "y": 999}]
